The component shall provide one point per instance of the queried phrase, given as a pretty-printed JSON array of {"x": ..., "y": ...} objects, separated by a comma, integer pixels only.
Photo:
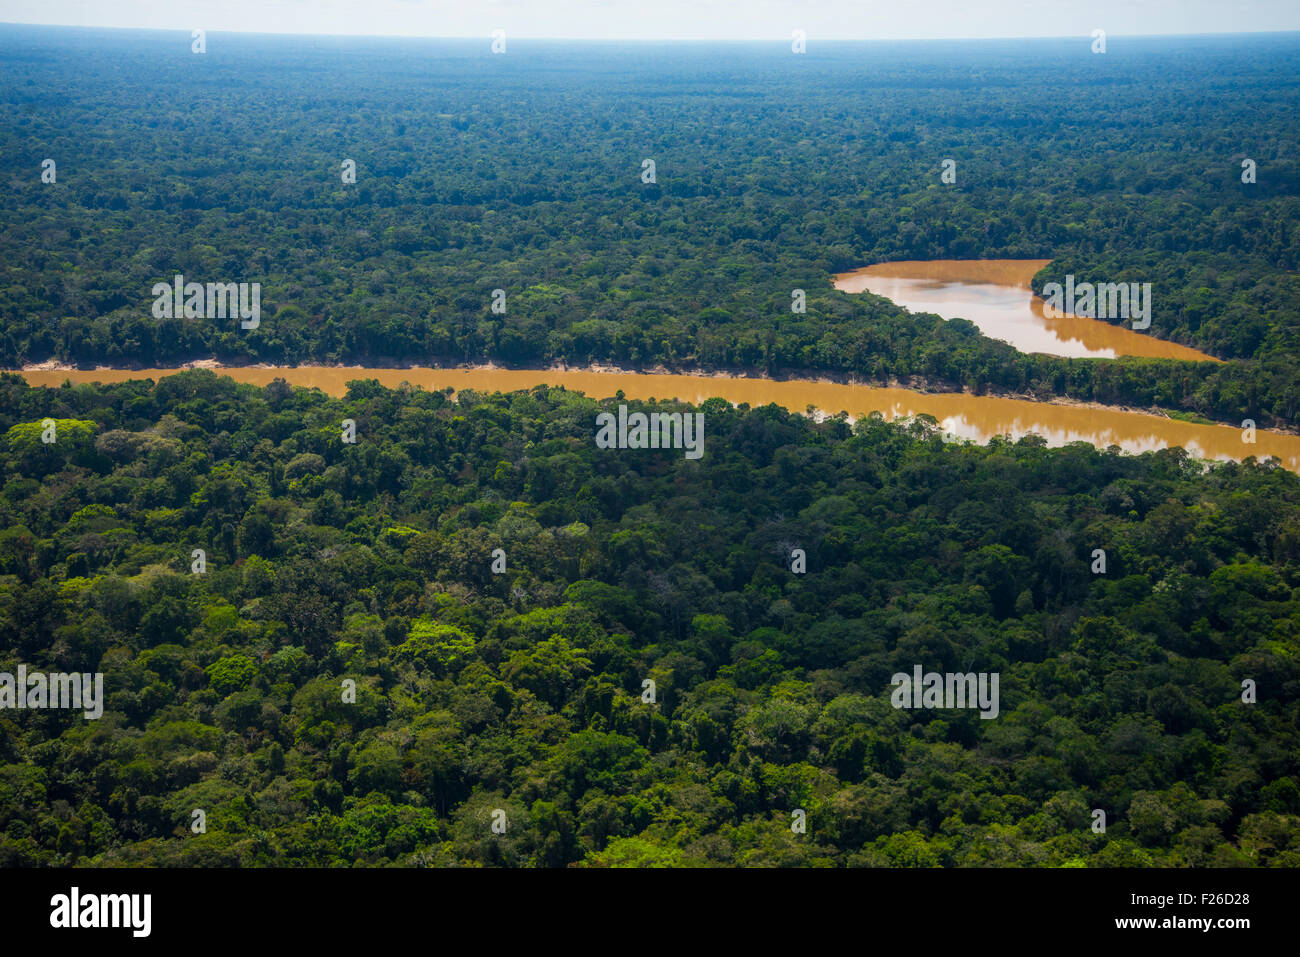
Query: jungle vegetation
[
  {"x": 523, "y": 691},
  {"x": 522, "y": 172}
]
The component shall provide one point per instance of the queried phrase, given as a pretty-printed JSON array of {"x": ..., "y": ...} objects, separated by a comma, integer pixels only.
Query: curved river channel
[
  {"x": 960, "y": 415},
  {"x": 995, "y": 295}
]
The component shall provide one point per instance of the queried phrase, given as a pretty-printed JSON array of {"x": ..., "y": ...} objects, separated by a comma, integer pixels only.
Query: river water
[
  {"x": 966, "y": 416},
  {"x": 993, "y": 293},
  {"x": 996, "y": 296}
]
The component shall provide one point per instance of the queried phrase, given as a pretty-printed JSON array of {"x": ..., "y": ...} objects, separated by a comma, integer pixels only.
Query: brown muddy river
[
  {"x": 996, "y": 296},
  {"x": 965, "y": 416}
]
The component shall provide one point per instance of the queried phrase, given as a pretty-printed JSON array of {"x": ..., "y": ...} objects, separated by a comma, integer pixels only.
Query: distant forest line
[{"x": 774, "y": 171}]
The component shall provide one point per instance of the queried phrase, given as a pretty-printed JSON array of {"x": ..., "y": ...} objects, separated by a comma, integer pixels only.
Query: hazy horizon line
[{"x": 783, "y": 40}]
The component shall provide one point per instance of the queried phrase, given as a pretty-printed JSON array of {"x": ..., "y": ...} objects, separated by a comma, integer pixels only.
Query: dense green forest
[
  {"x": 773, "y": 171},
  {"x": 523, "y": 691}
]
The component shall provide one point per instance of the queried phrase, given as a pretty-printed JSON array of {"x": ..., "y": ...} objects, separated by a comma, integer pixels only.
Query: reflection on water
[
  {"x": 995, "y": 295},
  {"x": 967, "y": 416}
]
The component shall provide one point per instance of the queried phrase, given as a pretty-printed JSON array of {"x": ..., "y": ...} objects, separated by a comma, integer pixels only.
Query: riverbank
[
  {"x": 914, "y": 383},
  {"x": 960, "y": 414},
  {"x": 997, "y": 296}
]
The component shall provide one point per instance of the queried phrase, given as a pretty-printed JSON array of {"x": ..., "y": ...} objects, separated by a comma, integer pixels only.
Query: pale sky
[{"x": 674, "y": 19}]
